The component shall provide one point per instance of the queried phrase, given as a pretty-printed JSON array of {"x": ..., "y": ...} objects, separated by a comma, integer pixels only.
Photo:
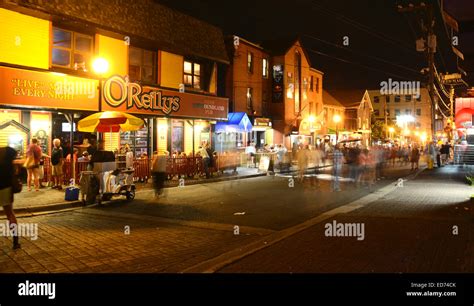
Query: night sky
[{"x": 381, "y": 40}]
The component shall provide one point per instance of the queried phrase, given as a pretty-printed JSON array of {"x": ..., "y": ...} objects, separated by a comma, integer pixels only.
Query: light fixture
[
  {"x": 336, "y": 118},
  {"x": 100, "y": 65}
]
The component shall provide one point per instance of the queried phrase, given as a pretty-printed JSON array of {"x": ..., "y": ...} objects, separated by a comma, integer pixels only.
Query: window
[
  {"x": 311, "y": 80},
  {"x": 376, "y": 99},
  {"x": 418, "y": 111},
  {"x": 408, "y": 111},
  {"x": 317, "y": 85},
  {"x": 311, "y": 108},
  {"x": 71, "y": 50},
  {"x": 192, "y": 74},
  {"x": 249, "y": 98},
  {"x": 397, "y": 112},
  {"x": 397, "y": 98},
  {"x": 418, "y": 98},
  {"x": 418, "y": 124},
  {"x": 407, "y": 98},
  {"x": 376, "y": 112},
  {"x": 387, "y": 99},
  {"x": 388, "y": 112},
  {"x": 142, "y": 65},
  {"x": 250, "y": 62},
  {"x": 265, "y": 68}
]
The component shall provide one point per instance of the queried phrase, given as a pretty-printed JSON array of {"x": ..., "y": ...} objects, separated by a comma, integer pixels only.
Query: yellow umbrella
[{"x": 110, "y": 121}]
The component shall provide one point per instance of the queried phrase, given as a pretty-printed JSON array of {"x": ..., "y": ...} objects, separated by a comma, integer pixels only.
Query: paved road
[
  {"x": 189, "y": 226},
  {"x": 410, "y": 229}
]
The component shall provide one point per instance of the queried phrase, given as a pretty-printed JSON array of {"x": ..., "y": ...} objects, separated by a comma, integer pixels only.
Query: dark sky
[{"x": 381, "y": 40}]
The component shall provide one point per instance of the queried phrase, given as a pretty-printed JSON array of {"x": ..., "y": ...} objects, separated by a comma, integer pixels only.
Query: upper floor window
[
  {"x": 311, "y": 80},
  {"x": 249, "y": 98},
  {"x": 387, "y": 99},
  {"x": 265, "y": 68},
  {"x": 376, "y": 99},
  {"x": 418, "y": 111},
  {"x": 142, "y": 65},
  {"x": 418, "y": 98},
  {"x": 397, "y": 98},
  {"x": 407, "y": 98},
  {"x": 192, "y": 74},
  {"x": 250, "y": 62},
  {"x": 397, "y": 112},
  {"x": 71, "y": 50},
  {"x": 376, "y": 112},
  {"x": 317, "y": 85}
]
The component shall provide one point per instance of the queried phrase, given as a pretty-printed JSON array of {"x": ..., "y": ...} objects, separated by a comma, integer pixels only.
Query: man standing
[
  {"x": 57, "y": 164},
  {"x": 205, "y": 160},
  {"x": 7, "y": 168}
]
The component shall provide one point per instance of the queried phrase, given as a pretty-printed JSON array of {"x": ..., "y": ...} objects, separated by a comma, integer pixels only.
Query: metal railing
[{"x": 463, "y": 154}]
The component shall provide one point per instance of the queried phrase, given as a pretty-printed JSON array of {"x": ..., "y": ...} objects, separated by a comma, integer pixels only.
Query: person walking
[
  {"x": 415, "y": 157},
  {"x": 158, "y": 172},
  {"x": 7, "y": 168},
  {"x": 57, "y": 164},
  {"x": 32, "y": 163},
  {"x": 303, "y": 158},
  {"x": 338, "y": 161}
]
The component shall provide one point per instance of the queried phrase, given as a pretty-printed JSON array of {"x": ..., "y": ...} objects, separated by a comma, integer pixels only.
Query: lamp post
[{"x": 336, "y": 118}]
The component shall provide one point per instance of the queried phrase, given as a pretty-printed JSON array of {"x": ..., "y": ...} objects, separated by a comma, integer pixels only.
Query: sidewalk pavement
[{"x": 47, "y": 199}]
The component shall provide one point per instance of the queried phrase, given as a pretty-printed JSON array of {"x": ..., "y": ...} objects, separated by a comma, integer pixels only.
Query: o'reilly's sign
[
  {"x": 120, "y": 95},
  {"x": 118, "y": 91}
]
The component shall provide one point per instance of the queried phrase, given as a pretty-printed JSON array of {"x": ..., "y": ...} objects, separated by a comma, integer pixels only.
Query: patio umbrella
[{"x": 110, "y": 121}]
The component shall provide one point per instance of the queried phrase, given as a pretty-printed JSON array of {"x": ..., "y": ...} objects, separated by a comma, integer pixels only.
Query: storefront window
[
  {"x": 177, "y": 136},
  {"x": 137, "y": 141},
  {"x": 142, "y": 65},
  {"x": 71, "y": 50}
]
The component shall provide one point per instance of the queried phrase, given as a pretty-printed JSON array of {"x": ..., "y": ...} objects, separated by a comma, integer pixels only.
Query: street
[{"x": 220, "y": 226}]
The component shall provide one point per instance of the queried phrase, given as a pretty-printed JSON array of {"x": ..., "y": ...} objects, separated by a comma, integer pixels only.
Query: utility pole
[{"x": 430, "y": 50}]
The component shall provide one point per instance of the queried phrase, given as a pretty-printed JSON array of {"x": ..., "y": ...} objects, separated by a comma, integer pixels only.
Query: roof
[
  {"x": 328, "y": 99},
  {"x": 348, "y": 97},
  {"x": 281, "y": 46},
  {"x": 167, "y": 29}
]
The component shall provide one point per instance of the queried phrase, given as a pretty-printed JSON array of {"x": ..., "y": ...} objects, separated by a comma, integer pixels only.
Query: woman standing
[{"x": 33, "y": 157}]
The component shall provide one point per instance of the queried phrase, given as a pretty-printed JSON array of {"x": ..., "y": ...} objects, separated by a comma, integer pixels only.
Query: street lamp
[
  {"x": 391, "y": 130},
  {"x": 336, "y": 118}
]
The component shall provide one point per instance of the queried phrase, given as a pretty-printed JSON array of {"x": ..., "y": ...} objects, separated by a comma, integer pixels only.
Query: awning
[{"x": 236, "y": 123}]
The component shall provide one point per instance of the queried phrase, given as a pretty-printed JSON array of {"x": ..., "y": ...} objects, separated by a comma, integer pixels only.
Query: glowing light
[
  {"x": 391, "y": 129},
  {"x": 100, "y": 65},
  {"x": 311, "y": 119},
  {"x": 336, "y": 118}
]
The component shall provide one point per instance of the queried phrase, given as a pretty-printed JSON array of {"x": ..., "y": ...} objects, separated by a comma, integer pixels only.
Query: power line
[
  {"x": 349, "y": 62},
  {"x": 360, "y": 54},
  {"x": 363, "y": 27}
]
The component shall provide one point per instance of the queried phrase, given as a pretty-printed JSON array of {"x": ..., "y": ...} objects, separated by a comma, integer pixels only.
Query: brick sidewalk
[{"x": 79, "y": 242}]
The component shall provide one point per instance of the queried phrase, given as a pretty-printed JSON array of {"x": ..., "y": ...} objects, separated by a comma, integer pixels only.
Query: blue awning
[{"x": 237, "y": 122}]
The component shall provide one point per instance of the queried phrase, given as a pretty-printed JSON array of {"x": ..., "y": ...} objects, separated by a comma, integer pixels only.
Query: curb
[{"x": 31, "y": 211}]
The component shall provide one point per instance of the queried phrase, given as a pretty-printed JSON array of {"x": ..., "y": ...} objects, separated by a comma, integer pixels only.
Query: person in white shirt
[{"x": 250, "y": 151}]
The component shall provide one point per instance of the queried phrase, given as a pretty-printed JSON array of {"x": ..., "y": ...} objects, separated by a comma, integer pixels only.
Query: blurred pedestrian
[
  {"x": 7, "y": 179},
  {"x": 158, "y": 172},
  {"x": 338, "y": 161},
  {"x": 303, "y": 158},
  {"x": 415, "y": 157}
]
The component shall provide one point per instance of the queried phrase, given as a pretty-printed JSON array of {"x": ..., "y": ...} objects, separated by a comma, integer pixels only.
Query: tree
[{"x": 377, "y": 127}]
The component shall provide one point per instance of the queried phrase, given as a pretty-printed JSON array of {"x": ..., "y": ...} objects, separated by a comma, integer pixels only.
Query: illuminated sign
[
  {"x": 119, "y": 94},
  {"x": 47, "y": 90}
]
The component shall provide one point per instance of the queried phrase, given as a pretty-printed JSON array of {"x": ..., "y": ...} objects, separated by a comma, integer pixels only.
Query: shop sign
[
  {"x": 262, "y": 122},
  {"x": 119, "y": 94},
  {"x": 47, "y": 90}
]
